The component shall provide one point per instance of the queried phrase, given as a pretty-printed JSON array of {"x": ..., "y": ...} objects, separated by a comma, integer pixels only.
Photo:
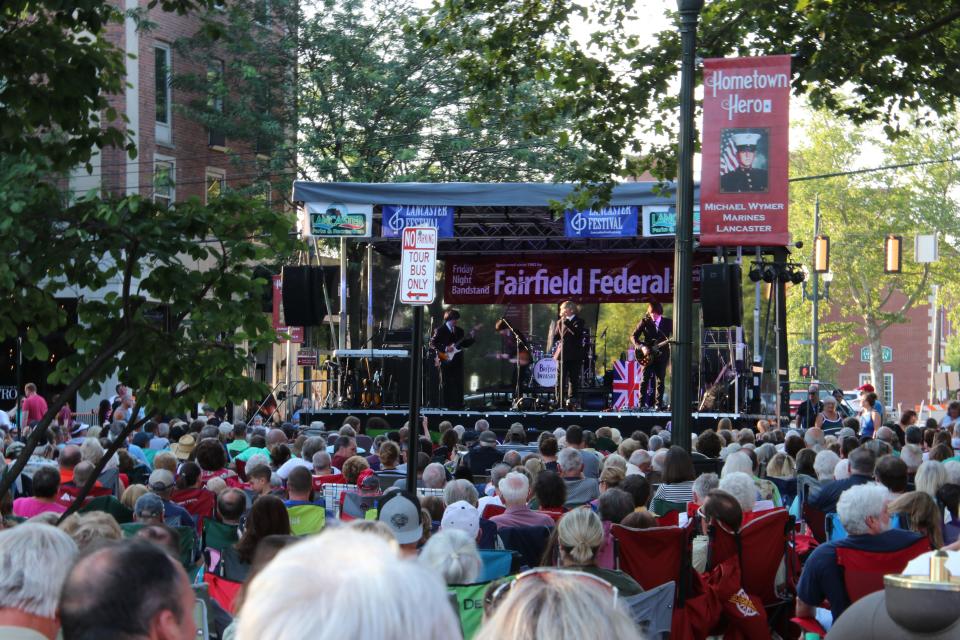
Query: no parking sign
[{"x": 418, "y": 266}]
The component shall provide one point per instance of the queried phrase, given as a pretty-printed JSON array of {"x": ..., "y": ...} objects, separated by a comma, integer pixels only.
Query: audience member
[
  {"x": 719, "y": 508},
  {"x": 892, "y": 473},
  {"x": 515, "y": 492},
  {"x": 34, "y": 561},
  {"x": 862, "y": 467},
  {"x": 453, "y": 554},
  {"x": 401, "y": 512},
  {"x": 921, "y": 513},
  {"x": 678, "y": 477},
  {"x": 580, "y": 490},
  {"x": 130, "y": 589},
  {"x": 268, "y": 517},
  {"x": 930, "y": 477},
  {"x": 46, "y": 486},
  {"x": 367, "y": 571},
  {"x": 580, "y": 534},
  {"x": 863, "y": 513}
]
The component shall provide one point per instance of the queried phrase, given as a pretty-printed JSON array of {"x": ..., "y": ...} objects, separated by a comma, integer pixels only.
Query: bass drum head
[{"x": 545, "y": 372}]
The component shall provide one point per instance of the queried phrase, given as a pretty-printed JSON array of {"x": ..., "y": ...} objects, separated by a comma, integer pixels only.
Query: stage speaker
[
  {"x": 303, "y": 304},
  {"x": 721, "y": 297}
]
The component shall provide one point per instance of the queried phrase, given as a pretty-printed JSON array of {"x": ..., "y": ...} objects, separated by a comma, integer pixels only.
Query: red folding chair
[
  {"x": 652, "y": 556},
  {"x": 863, "y": 571},
  {"x": 816, "y": 522},
  {"x": 222, "y": 590},
  {"x": 492, "y": 510}
]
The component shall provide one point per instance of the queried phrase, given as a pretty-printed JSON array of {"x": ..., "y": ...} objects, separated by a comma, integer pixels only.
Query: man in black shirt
[
  {"x": 571, "y": 336},
  {"x": 649, "y": 337},
  {"x": 808, "y": 411}
]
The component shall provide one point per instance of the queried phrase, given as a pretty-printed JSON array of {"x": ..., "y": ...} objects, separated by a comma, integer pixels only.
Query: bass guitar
[
  {"x": 652, "y": 353},
  {"x": 447, "y": 356}
]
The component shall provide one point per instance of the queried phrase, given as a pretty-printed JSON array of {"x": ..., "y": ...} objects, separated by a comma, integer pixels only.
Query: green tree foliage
[
  {"x": 892, "y": 57},
  {"x": 857, "y": 212},
  {"x": 127, "y": 260}
]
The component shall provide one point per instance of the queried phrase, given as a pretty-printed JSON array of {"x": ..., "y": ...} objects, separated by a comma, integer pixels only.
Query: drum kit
[{"x": 544, "y": 373}]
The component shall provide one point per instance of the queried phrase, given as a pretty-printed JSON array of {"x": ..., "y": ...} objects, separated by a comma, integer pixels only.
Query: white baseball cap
[{"x": 462, "y": 516}]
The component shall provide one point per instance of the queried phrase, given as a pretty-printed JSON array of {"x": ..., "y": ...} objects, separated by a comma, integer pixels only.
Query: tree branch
[
  {"x": 116, "y": 345},
  {"x": 933, "y": 26}
]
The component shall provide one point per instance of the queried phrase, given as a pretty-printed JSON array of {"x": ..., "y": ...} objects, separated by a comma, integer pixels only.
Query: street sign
[
  {"x": 307, "y": 358},
  {"x": 418, "y": 266}
]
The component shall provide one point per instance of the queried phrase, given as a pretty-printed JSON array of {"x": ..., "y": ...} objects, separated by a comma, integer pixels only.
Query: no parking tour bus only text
[{"x": 418, "y": 265}]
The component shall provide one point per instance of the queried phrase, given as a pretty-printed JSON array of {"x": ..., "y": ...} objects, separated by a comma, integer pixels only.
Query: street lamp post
[
  {"x": 683, "y": 259},
  {"x": 815, "y": 325}
]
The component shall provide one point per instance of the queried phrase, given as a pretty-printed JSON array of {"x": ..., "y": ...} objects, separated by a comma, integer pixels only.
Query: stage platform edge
[{"x": 626, "y": 422}]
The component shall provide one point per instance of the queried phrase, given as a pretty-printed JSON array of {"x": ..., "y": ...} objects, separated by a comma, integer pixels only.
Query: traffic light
[{"x": 806, "y": 371}]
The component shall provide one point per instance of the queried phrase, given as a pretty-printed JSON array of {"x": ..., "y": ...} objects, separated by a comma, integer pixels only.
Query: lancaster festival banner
[
  {"x": 614, "y": 278},
  {"x": 746, "y": 126},
  {"x": 398, "y": 216},
  {"x": 608, "y": 222}
]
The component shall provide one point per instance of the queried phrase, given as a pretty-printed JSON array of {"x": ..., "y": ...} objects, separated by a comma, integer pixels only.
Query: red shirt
[{"x": 33, "y": 408}]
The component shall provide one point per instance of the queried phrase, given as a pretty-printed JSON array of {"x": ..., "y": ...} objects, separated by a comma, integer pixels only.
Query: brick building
[
  {"x": 907, "y": 353},
  {"x": 177, "y": 157}
]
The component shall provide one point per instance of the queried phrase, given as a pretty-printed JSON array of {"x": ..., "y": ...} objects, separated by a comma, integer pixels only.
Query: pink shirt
[
  {"x": 29, "y": 507},
  {"x": 33, "y": 408},
  {"x": 522, "y": 517}
]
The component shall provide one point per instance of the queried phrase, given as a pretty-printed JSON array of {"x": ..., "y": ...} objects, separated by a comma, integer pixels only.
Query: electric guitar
[
  {"x": 652, "y": 352},
  {"x": 447, "y": 356}
]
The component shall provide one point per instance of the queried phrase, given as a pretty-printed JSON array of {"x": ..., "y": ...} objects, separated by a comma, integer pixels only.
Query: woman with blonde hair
[
  {"x": 579, "y": 536},
  {"x": 782, "y": 466},
  {"x": 930, "y": 477},
  {"x": 559, "y": 605},
  {"x": 921, "y": 514},
  {"x": 131, "y": 493}
]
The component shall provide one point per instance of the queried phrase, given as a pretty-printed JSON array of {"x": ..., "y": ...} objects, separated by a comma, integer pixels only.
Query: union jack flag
[
  {"x": 728, "y": 153},
  {"x": 626, "y": 384}
]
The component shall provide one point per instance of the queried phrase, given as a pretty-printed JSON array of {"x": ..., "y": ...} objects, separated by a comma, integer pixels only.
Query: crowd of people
[{"x": 303, "y": 531}]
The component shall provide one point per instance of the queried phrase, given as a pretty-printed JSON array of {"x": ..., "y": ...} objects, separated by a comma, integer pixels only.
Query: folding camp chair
[
  {"x": 497, "y": 563},
  {"x": 529, "y": 542},
  {"x": 652, "y": 556},
  {"x": 652, "y": 610},
  {"x": 469, "y": 599},
  {"x": 863, "y": 571},
  {"x": 109, "y": 504},
  {"x": 222, "y": 590},
  {"x": 663, "y": 507},
  {"x": 306, "y": 519},
  {"x": 787, "y": 489},
  {"x": 492, "y": 510},
  {"x": 217, "y": 535},
  {"x": 816, "y": 522}
]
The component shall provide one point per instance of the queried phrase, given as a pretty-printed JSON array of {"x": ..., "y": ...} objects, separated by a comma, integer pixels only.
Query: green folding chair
[
  {"x": 219, "y": 536},
  {"x": 663, "y": 507},
  {"x": 109, "y": 504},
  {"x": 306, "y": 519}
]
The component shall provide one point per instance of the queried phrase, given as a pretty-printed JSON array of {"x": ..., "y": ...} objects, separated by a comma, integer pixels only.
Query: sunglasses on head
[{"x": 496, "y": 594}]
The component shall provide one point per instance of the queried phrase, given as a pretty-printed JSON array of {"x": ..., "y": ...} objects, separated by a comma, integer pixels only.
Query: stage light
[
  {"x": 755, "y": 273},
  {"x": 893, "y": 254},
  {"x": 821, "y": 254},
  {"x": 797, "y": 276},
  {"x": 769, "y": 273}
]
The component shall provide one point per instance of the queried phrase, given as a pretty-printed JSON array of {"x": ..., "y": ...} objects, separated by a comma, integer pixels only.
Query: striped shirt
[{"x": 676, "y": 492}]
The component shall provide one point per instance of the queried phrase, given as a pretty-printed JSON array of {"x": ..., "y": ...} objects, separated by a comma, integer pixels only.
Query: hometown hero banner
[
  {"x": 746, "y": 125},
  {"x": 507, "y": 280}
]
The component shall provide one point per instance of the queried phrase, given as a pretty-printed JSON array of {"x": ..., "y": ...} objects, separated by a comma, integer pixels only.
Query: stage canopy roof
[{"x": 499, "y": 217}]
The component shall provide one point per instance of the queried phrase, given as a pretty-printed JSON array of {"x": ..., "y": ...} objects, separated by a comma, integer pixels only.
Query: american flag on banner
[
  {"x": 728, "y": 153},
  {"x": 626, "y": 384}
]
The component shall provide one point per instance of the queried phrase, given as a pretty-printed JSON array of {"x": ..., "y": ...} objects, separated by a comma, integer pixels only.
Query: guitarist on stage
[
  {"x": 653, "y": 330},
  {"x": 445, "y": 341}
]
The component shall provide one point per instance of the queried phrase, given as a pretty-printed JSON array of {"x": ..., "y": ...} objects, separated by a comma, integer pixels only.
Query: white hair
[
  {"x": 615, "y": 460},
  {"x": 569, "y": 460},
  {"x": 704, "y": 483},
  {"x": 658, "y": 460},
  {"x": 565, "y": 606},
  {"x": 729, "y": 450},
  {"x": 737, "y": 463},
  {"x": 34, "y": 561},
  {"x": 952, "y": 468},
  {"x": 559, "y": 433},
  {"x": 460, "y": 490},
  {"x": 355, "y": 597},
  {"x": 256, "y": 460},
  {"x": 460, "y": 429},
  {"x": 514, "y": 489},
  {"x": 91, "y": 450},
  {"x": 842, "y": 470},
  {"x": 930, "y": 477},
  {"x": 742, "y": 487},
  {"x": 434, "y": 476},
  {"x": 860, "y": 502},
  {"x": 481, "y": 425},
  {"x": 640, "y": 457},
  {"x": 912, "y": 456},
  {"x": 454, "y": 555},
  {"x": 824, "y": 464},
  {"x": 656, "y": 443}
]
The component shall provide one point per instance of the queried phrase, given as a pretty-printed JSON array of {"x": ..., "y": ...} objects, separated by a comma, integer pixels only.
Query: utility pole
[
  {"x": 683, "y": 258},
  {"x": 815, "y": 284}
]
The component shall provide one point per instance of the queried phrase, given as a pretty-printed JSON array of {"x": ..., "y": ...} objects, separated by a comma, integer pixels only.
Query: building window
[
  {"x": 215, "y": 85},
  {"x": 887, "y": 395},
  {"x": 164, "y": 174},
  {"x": 163, "y": 92},
  {"x": 216, "y": 183}
]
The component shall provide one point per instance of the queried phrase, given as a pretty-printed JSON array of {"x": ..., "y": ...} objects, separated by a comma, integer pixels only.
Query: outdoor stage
[{"x": 500, "y": 421}]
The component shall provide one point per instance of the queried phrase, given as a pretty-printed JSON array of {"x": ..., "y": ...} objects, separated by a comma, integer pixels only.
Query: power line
[{"x": 886, "y": 167}]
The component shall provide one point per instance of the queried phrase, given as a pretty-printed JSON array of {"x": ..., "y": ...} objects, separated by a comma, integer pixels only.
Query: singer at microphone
[{"x": 570, "y": 335}]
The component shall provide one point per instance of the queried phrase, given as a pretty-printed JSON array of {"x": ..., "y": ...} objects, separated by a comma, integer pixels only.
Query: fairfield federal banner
[
  {"x": 555, "y": 278},
  {"x": 746, "y": 126}
]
